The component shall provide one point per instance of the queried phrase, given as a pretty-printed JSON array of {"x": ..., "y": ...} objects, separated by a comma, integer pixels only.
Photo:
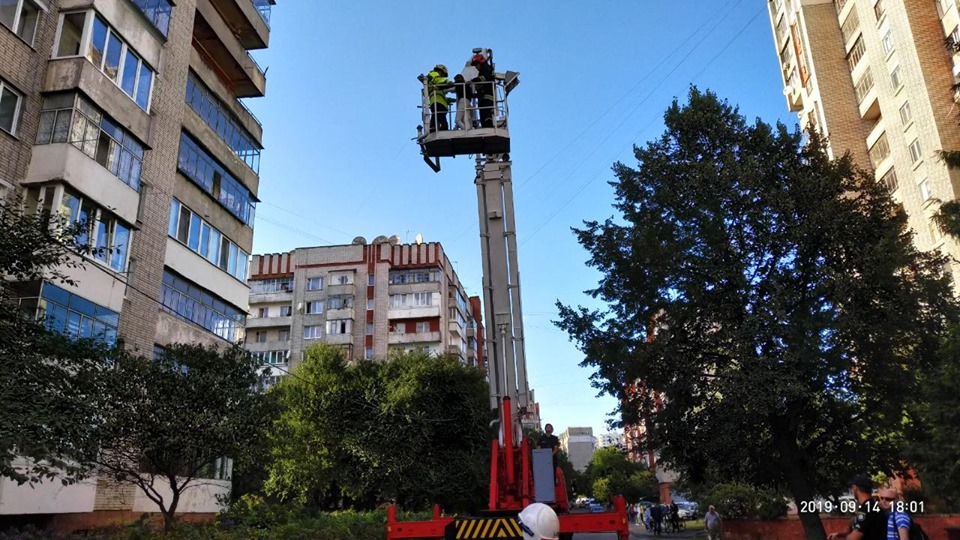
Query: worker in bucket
[
  {"x": 485, "y": 91},
  {"x": 438, "y": 87},
  {"x": 539, "y": 522}
]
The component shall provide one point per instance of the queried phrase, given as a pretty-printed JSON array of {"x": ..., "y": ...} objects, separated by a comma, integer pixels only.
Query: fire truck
[{"x": 478, "y": 124}]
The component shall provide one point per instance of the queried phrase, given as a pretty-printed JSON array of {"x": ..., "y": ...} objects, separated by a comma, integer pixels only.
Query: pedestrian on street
[
  {"x": 656, "y": 517},
  {"x": 870, "y": 522},
  {"x": 711, "y": 523},
  {"x": 898, "y": 522}
]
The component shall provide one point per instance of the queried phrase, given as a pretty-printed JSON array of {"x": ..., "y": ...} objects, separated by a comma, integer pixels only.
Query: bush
[{"x": 743, "y": 501}]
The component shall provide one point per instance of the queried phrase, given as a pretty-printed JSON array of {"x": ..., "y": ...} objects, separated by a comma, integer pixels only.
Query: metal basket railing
[{"x": 464, "y": 110}]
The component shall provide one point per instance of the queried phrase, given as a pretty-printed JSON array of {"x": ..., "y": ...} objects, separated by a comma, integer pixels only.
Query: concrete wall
[{"x": 46, "y": 497}]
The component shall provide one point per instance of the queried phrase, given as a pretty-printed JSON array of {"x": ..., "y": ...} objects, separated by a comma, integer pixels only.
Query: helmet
[
  {"x": 441, "y": 68},
  {"x": 539, "y": 522}
]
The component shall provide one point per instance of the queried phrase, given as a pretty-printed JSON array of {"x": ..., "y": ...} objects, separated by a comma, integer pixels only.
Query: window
[
  {"x": 934, "y": 230},
  {"x": 105, "y": 49},
  {"x": 924, "y": 186},
  {"x": 157, "y": 12},
  {"x": 206, "y": 241},
  {"x": 315, "y": 307},
  {"x": 197, "y": 165},
  {"x": 915, "y": 151},
  {"x": 339, "y": 327},
  {"x": 905, "y": 114},
  {"x": 263, "y": 313},
  {"x": 340, "y": 302},
  {"x": 341, "y": 279},
  {"x": 193, "y": 303},
  {"x": 414, "y": 276},
  {"x": 370, "y": 279},
  {"x": 878, "y": 9},
  {"x": 262, "y": 286},
  {"x": 423, "y": 327},
  {"x": 9, "y": 107},
  {"x": 73, "y": 119},
  {"x": 886, "y": 39},
  {"x": 890, "y": 180},
  {"x": 422, "y": 299},
  {"x": 895, "y": 78},
  {"x": 864, "y": 85},
  {"x": 21, "y": 17},
  {"x": 943, "y": 6},
  {"x": 369, "y": 329},
  {"x": 261, "y": 337},
  {"x": 283, "y": 335},
  {"x": 218, "y": 116},
  {"x": 850, "y": 26},
  {"x": 368, "y": 354},
  {"x": 263, "y": 8},
  {"x": 75, "y": 316},
  {"x": 312, "y": 332},
  {"x": 271, "y": 357},
  {"x": 102, "y": 231},
  {"x": 369, "y": 303},
  {"x": 879, "y": 151},
  {"x": 398, "y": 300},
  {"x": 286, "y": 311},
  {"x": 314, "y": 283},
  {"x": 856, "y": 53}
]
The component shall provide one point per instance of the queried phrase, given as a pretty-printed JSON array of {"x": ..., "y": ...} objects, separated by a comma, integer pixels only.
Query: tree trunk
[
  {"x": 169, "y": 513},
  {"x": 792, "y": 461}
]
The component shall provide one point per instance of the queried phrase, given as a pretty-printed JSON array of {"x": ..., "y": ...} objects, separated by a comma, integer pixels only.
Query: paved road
[{"x": 638, "y": 532}]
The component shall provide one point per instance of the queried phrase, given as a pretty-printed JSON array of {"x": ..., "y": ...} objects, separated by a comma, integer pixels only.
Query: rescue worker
[
  {"x": 485, "y": 90},
  {"x": 539, "y": 522},
  {"x": 438, "y": 85}
]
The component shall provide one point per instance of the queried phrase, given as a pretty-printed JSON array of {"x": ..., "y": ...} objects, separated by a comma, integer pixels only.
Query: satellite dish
[
  {"x": 359, "y": 241},
  {"x": 381, "y": 240},
  {"x": 395, "y": 239},
  {"x": 419, "y": 239}
]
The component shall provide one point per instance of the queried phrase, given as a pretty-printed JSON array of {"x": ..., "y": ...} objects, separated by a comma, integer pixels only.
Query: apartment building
[
  {"x": 578, "y": 443},
  {"x": 371, "y": 299},
  {"x": 879, "y": 79},
  {"x": 125, "y": 116}
]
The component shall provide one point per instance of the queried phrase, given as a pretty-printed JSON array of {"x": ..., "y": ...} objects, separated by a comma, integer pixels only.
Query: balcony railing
[
  {"x": 263, "y": 8},
  {"x": 879, "y": 151}
]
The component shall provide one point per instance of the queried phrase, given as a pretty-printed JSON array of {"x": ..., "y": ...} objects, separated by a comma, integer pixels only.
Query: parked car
[{"x": 687, "y": 510}]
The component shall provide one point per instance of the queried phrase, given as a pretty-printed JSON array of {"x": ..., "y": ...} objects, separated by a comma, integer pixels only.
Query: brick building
[
  {"x": 125, "y": 115},
  {"x": 371, "y": 299},
  {"x": 878, "y": 78}
]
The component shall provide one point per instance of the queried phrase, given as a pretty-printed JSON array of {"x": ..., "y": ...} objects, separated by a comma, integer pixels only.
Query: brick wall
[{"x": 791, "y": 529}]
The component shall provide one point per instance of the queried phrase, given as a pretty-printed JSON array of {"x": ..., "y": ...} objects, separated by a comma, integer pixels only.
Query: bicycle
[{"x": 670, "y": 527}]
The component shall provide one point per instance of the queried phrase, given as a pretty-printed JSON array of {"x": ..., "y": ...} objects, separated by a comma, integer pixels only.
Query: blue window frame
[{"x": 76, "y": 316}]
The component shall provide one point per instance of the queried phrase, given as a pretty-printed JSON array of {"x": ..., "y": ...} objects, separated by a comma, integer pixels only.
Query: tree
[
  {"x": 167, "y": 420},
  {"x": 610, "y": 473},
  {"x": 411, "y": 429},
  {"x": 772, "y": 295},
  {"x": 48, "y": 382}
]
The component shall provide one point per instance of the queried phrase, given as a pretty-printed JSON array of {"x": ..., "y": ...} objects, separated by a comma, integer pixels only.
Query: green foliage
[
  {"x": 788, "y": 299},
  {"x": 411, "y": 429},
  {"x": 934, "y": 447},
  {"x": 742, "y": 501},
  {"x": 167, "y": 420},
  {"x": 610, "y": 473},
  {"x": 947, "y": 218},
  {"x": 48, "y": 383}
]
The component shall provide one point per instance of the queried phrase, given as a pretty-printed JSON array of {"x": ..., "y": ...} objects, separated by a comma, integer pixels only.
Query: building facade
[
  {"x": 879, "y": 79},
  {"x": 125, "y": 116},
  {"x": 611, "y": 438},
  {"x": 371, "y": 299},
  {"x": 578, "y": 443}
]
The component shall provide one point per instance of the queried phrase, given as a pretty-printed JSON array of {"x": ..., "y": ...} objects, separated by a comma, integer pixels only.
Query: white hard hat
[{"x": 539, "y": 522}]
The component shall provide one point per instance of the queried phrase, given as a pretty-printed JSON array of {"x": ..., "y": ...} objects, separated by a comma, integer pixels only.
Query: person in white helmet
[{"x": 539, "y": 522}]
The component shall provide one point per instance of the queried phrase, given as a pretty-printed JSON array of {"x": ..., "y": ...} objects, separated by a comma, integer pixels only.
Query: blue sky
[{"x": 341, "y": 108}]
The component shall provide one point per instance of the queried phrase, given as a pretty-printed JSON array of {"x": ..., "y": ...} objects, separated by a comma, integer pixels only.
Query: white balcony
[
  {"x": 455, "y": 329},
  {"x": 418, "y": 337},
  {"x": 417, "y": 312},
  {"x": 267, "y": 322}
]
